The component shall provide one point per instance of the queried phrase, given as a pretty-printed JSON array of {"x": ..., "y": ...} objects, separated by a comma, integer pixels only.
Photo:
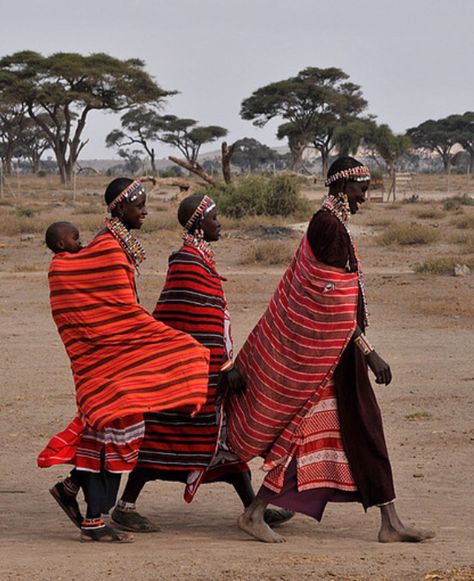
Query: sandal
[
  {"x": 68, "y": 503},
  {"x": 275, "y": 517},
  {"x": 104, "y": 534},
  {"x": 131, "y": 520}
]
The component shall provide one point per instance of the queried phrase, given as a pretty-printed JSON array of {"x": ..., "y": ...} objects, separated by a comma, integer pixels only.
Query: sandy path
[{"x": 428, "y": 419}]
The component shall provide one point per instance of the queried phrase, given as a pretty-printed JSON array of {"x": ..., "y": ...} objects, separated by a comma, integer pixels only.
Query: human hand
[
  {"x": 380, "y": 368},
  {"x": 235, "y": 381}
]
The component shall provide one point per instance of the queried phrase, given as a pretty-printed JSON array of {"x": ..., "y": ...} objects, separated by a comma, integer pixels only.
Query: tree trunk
[
  {"x": 154, "y": 171},
  {"x": 446, "y": 162},
  {"x": 7, "y": 165},
  {"x": 471, "y": 162},
  {"x": 194, "y": 168},
  {"x": 227, "y": 153},
  {"x": 297, "y": 157},
  {"x": 393, "y": 182},
  {"x": 324, "y": 161}
]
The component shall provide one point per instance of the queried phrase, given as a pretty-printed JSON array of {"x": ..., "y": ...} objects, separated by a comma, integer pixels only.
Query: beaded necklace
[
  {"x": 197, "y": 241},
  {"x": 339, "y": 207},
  {"x": 132, "y": 246}
]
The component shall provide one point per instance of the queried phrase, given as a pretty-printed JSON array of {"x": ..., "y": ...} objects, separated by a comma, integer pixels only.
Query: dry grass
[
  {"x": 464, "y": 239},
  {"x": 28, "y": 267},
  {"x": 465, "y": 222},
  {"x": 443, "y": 264},
  {"x": 254, "y": 222},
  {"x": 416, "y": 416},
  {"x": 90, "y": 208},
  {"x": 407, "y": 234},
  {"x": 162, "y": 220},
  {"x": 432, "y": 213},
  {"x": 269, "y": 252},
  {"x": 456, "y": 202}
]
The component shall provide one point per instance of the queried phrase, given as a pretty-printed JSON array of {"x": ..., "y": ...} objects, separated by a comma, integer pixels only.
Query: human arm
[{"x": 380, "y": 368}]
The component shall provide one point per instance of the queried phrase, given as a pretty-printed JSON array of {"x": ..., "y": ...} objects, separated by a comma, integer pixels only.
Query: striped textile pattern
[
  {"x": 291, "y": 355},
  {"x": 193, "y": 301},
  {"x": 115, "y": 448},
  {"x": 123, "y": 361},
  {"x": 320, "y": 457}
]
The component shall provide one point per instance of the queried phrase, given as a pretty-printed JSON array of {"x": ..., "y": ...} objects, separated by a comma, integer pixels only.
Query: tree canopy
[
  {"x": 66, "y": 87},
  {"x": 463, "y": 127},
  {"x": 187, "y": 136},
  {"x": 249, "y": 154},
  {"x": 312, "y": 104},
  {"x": 436, "y": 135},
  {"x": 140, "y": 126}
]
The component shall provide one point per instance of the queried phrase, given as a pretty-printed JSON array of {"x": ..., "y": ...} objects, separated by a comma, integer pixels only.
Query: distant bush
[
  {"x": 260, "y": 195},
  {"x": 443, "y": 264},
  {"x": 24, "y": 212},
  {"x": 406, "y": 234},
  {"x": 171, "y": 171},
  {"x": 429, "y": 214},
  {"x": 463, "y": 222},
  {"x": 455, "y": 202}
]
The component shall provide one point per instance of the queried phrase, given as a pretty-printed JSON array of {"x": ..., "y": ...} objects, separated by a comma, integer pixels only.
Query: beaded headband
[
  {"x": 130, "y": 193},
  {"x": 361, "y": 173},
  {"x": 205, "y": 206}
]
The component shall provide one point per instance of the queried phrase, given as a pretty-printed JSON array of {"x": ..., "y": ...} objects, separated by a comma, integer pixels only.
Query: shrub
[
  {"x": 455, "y": 202},
  {"x": 26, "y": 212},
  {"x": 443, "y": 264},
  {"x": 418, "y": 416},
  {"x": 430, "y": 214},
  {"x": 259, "y": 195},
  {"x": 463, "y": 222},
  {"x": 406, "y": 234}
]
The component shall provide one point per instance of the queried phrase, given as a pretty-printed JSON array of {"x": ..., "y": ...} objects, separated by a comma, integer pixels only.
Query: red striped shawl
[
  {"x": 192, "y": 300},
  {"x": 290, "y": 355},
  {"x": 123, "y": 361}
]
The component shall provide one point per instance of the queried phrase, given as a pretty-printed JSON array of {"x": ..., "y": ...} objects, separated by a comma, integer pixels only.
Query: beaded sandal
[
  {"x": 98, "y": 531},
  {"x": 68, "y": 503},
  {"x": 133, "y": 521}
]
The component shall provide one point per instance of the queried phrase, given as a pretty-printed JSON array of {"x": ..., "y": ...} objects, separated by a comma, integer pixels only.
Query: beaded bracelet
[{"x": 363, "y": 344}]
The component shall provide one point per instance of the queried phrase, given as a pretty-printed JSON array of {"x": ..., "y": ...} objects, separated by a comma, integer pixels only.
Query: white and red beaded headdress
[
  {"x": 205, "y": 206},
  {"x": 130, "y": 194},
  {"x": 360, "y": 173}
]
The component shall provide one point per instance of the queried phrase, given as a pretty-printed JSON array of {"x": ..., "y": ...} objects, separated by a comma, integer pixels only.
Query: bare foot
[
  {"x": 259, "y": 529},
  {"x": 403, "y": 534}
]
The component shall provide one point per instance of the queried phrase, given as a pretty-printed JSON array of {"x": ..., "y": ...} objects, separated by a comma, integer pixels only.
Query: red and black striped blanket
[
  {"x": 123, "y": 360},
  {"x": 192, "y": 300},
  {"x": 290, "y": 355}
]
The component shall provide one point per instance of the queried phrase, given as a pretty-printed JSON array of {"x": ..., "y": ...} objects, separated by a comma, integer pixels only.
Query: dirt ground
[{"x": 421, "y": 323}]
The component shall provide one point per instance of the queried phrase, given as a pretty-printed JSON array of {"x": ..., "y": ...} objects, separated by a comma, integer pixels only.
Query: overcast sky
[{"x": 414, "y": 59}]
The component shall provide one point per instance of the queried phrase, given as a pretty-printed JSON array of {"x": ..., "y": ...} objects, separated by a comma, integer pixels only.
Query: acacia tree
[
  {"x": 463, "y": 126},
  {"x": 33, "y": 143},
  {"x": 132, "y": 158},
  {"x": 188, "y": 137},
  {"x": 348, "y": 137},
  {"x": 12, "y": 121},
  {"x": 66, "y": 87},
  {"x": 312, "y": 104},
  {"x": 390, "y": 147},
  {"x": 439, "y": 136},
  {"x": 250, "y": 155},
  {"x": 140, "y": 126}
]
